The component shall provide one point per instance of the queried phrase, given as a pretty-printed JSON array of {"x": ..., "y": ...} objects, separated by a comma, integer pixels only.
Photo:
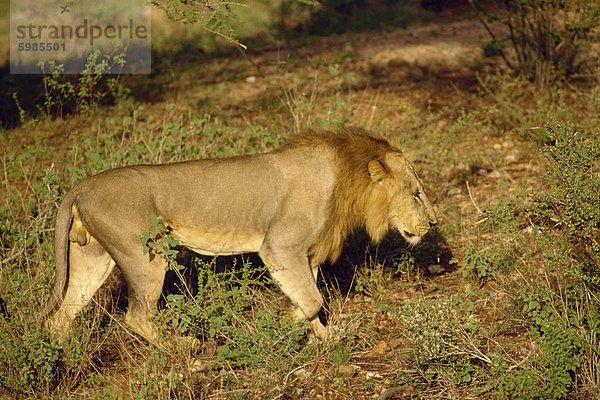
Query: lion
[{"x": 295, "y": 206}]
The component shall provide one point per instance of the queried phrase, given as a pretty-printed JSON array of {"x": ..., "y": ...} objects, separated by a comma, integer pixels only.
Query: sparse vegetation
[
  {"x": 500, "y": 301},
  {"x": 546, "y": 36}
]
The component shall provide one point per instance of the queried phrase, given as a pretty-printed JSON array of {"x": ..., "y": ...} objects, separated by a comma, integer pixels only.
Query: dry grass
[{"x": 453, "y": 130}]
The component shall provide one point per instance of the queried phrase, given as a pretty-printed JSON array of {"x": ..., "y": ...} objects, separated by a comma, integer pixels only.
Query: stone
[
  {"x": 436, "y": 269},
  {"x": 373, "y": 375},
  {"x": 379, "y": 349},
  {"x": 302, "y": 373},
  {"x": 454, "y": 191},
  {"x": 346, "y": 371},
  {"x": 495, "y": 174}
]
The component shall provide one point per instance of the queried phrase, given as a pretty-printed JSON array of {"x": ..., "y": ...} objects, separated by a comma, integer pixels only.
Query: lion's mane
[{"x": 355, "y": 201}]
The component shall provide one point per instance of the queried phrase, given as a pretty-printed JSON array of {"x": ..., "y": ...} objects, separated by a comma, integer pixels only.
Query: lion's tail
[{"x": 61, "y": 251}]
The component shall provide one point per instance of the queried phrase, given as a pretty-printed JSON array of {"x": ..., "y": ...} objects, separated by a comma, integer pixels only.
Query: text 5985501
[{"x": 42, "y": 47}]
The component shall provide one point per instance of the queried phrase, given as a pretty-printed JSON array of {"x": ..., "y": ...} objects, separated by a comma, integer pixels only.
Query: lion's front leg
[
  {"x": 295, "y": 278},
  {"x": 319, "y": 329}
]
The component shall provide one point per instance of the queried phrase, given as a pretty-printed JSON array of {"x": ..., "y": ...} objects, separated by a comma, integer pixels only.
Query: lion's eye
[{"x": 416, "y": 194}]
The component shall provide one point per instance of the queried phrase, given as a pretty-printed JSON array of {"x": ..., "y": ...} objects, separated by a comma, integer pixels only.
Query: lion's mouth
[{"x": 411, "y": 238}]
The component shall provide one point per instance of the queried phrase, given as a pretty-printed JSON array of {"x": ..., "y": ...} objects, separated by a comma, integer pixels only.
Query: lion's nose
[{"x": 432, "y": 224}]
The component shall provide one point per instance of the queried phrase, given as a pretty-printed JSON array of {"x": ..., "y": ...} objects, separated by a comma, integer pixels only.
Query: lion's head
[
  {"x": 376, "y": 187},
  {"x": 397, "y": 195}
]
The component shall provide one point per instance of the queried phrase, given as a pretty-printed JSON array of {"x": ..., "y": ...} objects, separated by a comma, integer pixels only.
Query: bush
[
  {"x": 29, "y": 357},
  {"x": 227, "y": 312},
  {"x": 560, "y": 305},
  {"x": 570, "y": 207},
  {"x": 545, "y": 35}
]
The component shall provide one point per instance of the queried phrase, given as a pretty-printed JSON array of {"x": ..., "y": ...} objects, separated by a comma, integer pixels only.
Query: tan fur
[
  {"x": 294, "y": 206},
  {"x": 356, "y": 202}
]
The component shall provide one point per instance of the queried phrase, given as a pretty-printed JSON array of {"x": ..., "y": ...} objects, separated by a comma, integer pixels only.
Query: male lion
[{"x": 294, "y": 206}]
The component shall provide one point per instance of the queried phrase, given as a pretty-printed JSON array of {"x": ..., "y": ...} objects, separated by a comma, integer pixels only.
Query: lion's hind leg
[
  {"x": 89, "y": 266},
  {"x": 145, "y": 275}
]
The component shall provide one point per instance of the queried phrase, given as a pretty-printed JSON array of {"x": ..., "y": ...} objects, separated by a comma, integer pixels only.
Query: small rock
[
  {"x": 497, "y": 146},
  {"x": 395, "y": 342},
  {"x": 491, "y": 285},
  {"x": 510, "y": 158},
  {"x": 373, "y": 375},
  {"x": 379, "y": 349},
  {"x": 359, "y": 298},
  {"x": 251, "y": 79},
  {"x": 534, "y": 347},
  {"x": 192, "y": 344},
  {"x": 436, "y": 269},
  {"x": 454, "y": 191},
  {"x": 302, "y": 373},
  {"x": 482, "y": 172},
  {"x": 346, "y": 371},
  {"x": 495, "y": 174},
  {"x": 391, "y": 393}
]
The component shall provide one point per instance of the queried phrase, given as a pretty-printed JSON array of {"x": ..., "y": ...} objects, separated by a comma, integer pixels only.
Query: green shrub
[
  {"x": 545, "y": 35},
  {"x": 477, "y": 263},
  {"x": 569, "y": 209},
  {"x": 550, "y": 373},
  {"x": 442, "y": 332},
  {"x": 62, "y": 94},
  {"x": 227, "y": 310},
  {"x": 560, "y": 305},
  {"x": 157, "y": 377},
  {"x": 339, "y": 353},
  {"x": 370, "y": 281},
  {"x": 30, "y": 359},
  {"x": 215, "y": 17}
]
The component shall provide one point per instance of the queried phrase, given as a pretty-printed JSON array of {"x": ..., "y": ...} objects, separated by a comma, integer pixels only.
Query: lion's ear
[{"x": 377, "y": 171}]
